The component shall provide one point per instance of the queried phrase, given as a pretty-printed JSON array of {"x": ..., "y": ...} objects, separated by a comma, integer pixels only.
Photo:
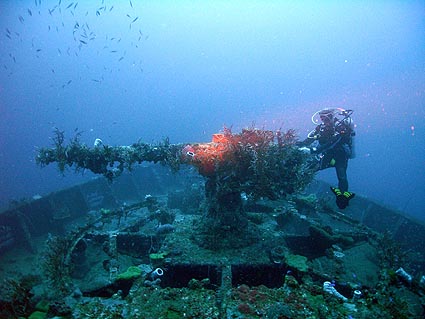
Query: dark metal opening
[
  {"x": 271, "y": 276},
  {"x": 178, "y": 276}
]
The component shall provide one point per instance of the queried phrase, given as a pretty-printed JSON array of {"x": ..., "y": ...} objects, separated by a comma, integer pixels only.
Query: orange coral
[{"x": 224, "y": 148}]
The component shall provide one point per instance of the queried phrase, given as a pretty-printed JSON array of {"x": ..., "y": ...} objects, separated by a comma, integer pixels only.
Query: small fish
[
  {"x": 97, "y": 13},
  {"x": 111, "y": 8},
  {"x": 120, "y": 59},
  {"x": 38, "y": 50},
  {"x": 83, "y": 42},
  {"x": 131, "y": 4},
  {"x": 135, "y": 19},
  {"x": 128, "y": 15},
  {"x": 70, "y": 5},
  {"x": 21, "y": 19},
  {"x": 8, "y": 36},
  {"x": 7, "y": 30},
  {"x": 96, "y": 80},
  {"x": 53, "y": 71},
  {"x": 29, "y": 12},
  {"x": 69, "y": 82},
  {"x": 76, "y": 4}
]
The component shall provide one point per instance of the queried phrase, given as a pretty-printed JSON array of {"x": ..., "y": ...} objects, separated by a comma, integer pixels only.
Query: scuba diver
[{"x": 333, "y": 140}]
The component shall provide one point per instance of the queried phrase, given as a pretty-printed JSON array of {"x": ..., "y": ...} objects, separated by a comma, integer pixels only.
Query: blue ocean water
[{"x": 129, "y": 70}]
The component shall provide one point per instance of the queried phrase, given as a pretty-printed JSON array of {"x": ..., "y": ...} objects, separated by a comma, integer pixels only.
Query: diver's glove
[
  {"x": 307, "y": 150},
  {"x": 342, "y": 198}
]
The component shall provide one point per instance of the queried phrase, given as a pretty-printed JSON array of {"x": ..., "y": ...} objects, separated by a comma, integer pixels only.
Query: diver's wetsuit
[
  {"x": 335, "y": 148},
  {"x": 337, "y": 157}
]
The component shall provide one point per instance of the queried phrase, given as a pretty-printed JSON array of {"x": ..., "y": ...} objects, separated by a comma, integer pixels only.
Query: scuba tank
[
  {"x": 349, "y": 123},
  {"x": 352, "y": 145}
]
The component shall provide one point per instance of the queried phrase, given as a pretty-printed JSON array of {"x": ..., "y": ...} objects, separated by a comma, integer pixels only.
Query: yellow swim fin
[{"x": 342, "y": 198}]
